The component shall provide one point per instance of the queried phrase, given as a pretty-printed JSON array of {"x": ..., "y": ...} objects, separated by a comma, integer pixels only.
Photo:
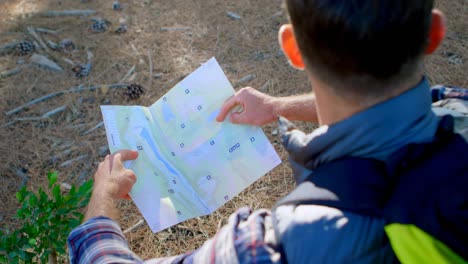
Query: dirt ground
[{"x": 198, "y": 30}]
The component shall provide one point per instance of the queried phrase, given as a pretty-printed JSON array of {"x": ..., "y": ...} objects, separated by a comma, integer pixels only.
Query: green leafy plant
[{"x": 47, "y": 219}]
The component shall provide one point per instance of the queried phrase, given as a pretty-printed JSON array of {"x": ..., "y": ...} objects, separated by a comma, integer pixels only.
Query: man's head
[{"x": 360, "y": 44}]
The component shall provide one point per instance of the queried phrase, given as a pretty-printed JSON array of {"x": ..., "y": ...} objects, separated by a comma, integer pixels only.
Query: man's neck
[{"x": 332, "y": 108}]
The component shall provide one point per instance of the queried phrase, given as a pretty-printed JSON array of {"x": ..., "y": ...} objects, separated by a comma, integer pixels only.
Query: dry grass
[{"x": 242, "y": 47}]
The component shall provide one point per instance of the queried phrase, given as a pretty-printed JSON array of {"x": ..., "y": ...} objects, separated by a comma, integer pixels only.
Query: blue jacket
[{"x": 320, "y": 234}]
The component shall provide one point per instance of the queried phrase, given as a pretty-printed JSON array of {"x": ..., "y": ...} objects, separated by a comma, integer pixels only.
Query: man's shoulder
[{"x": 313, "y": 232}]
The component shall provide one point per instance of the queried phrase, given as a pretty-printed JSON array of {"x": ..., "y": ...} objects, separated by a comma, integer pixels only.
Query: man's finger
[
  {"x": 227, "y": 106},
  {"x": 239, "y": 118},
  {"x": 126, "y": 154},
  {"x": 129, "y": 174}
]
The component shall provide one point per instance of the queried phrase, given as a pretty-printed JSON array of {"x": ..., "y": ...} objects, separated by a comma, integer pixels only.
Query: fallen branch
[
  {"x": 69, "y": 13},
  {"x": 8, "y": 47},
  {"x": 44, "y": 62},
  {"x": 41, "y": 42},
  {"x": 46, "y": 115},
  {"x": 93, "y": 128},
  {"x": 43, "y": 46},
  {"x": 55, "y": 94},
  {"x": 175, "y": 28},
  {"x": 135, "y": 226},
  {"x": 150, "y": 61},
  {"x": 8, "y": 73}
]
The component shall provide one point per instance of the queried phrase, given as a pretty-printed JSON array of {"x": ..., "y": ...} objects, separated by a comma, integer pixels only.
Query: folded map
[{"x": 189, "y": 164}]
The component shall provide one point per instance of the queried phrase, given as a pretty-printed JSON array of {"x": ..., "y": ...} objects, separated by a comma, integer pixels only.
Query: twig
[
  {"x": 30, "y": 118},
  {"x": 33, "y": 85},
  {"x": 130, "y": 72},
  {"x": 77, "y": 126},
  {"x": 233, "y": 15},
  {"x": 174, "y": 81},
  {"x": 93, "y": 128},
  {"x": 175, "y": 28},
  {"x": 135, "y": 226},
  {"x": 265, "y": 86},
  {"x": 8, "y": 47},
  {"x": 150, "y": 61},
  {"x": 23, "y": 176},
  {"x": 8, "y": 73},
  {"x": 24, "y": 119},
  {"x": 83, "y": 176},
  {"x": 64, "y": 153},
  {"x": 69, "y": 61},
  {"x": 69, "y": 13},
  {"x": 69, "y": 162},
  {"x": 47, "y": 31},
  {"x": 246, "y": 79},
  {"x": 101, "y": 73},
  {"x": 52, "y": 45},
  {"x": 89, "y": 55},
  {"x": 217, "y": 38},
  {"x": 8, "y": 124},
  {"x": 55, "y": 111},
  {"x": 65, "y": 186},
  {"x": 41, "y": 42},
  {"x": 76, "y": 89}
]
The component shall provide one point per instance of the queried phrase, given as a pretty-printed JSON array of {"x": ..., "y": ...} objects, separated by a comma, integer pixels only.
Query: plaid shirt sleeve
[{"x": 247, "y": 238}]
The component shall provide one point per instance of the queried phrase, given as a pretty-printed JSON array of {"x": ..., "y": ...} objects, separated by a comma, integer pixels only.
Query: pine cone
[
  {"x": 81, "y": 70},
  {"x": 121, "y": 29},
  {"x": 134, "y": 91},
  {"x": 116, "y": 6},
  {"x": 67, "y": 45},
  {"x": 25, "y": 48},
  {"x": 100, "y": 25}
]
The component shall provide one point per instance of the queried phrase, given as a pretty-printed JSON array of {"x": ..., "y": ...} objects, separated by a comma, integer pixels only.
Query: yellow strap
[{"x": 413, "y": 245}]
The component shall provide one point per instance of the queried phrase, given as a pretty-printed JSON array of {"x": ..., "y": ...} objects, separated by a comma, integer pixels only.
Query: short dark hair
[{"x": 344, "y": 39}]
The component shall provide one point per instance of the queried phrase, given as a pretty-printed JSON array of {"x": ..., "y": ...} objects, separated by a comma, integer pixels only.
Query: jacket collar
[{"x": 375, "y": 132}]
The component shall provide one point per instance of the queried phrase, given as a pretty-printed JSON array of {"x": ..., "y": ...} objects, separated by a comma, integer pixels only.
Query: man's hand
[
  {"x": 111, "y": 181},
  {"x": 112, "y": 178},
  {"x": 259, "y": 109},
  {"x": 256, "y": 108}
]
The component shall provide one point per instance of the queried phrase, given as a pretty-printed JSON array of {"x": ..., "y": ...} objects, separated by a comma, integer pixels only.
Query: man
[{"x": 364, "y": 62}]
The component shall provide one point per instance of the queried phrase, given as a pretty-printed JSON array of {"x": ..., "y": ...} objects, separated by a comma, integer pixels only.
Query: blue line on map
[
  {"x": 144, "y": 134},
  {"x": 213, "y": 115},
  {"x": 166, "y": 112}
]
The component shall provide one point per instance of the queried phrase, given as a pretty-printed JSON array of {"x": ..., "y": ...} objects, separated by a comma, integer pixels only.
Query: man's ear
[
  {"x": 437, "y": 31},
  {"x": 289, "y": 46}
]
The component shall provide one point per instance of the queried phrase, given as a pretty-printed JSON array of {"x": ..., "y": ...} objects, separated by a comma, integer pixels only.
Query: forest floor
[{"x": 176, "y": 36}]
